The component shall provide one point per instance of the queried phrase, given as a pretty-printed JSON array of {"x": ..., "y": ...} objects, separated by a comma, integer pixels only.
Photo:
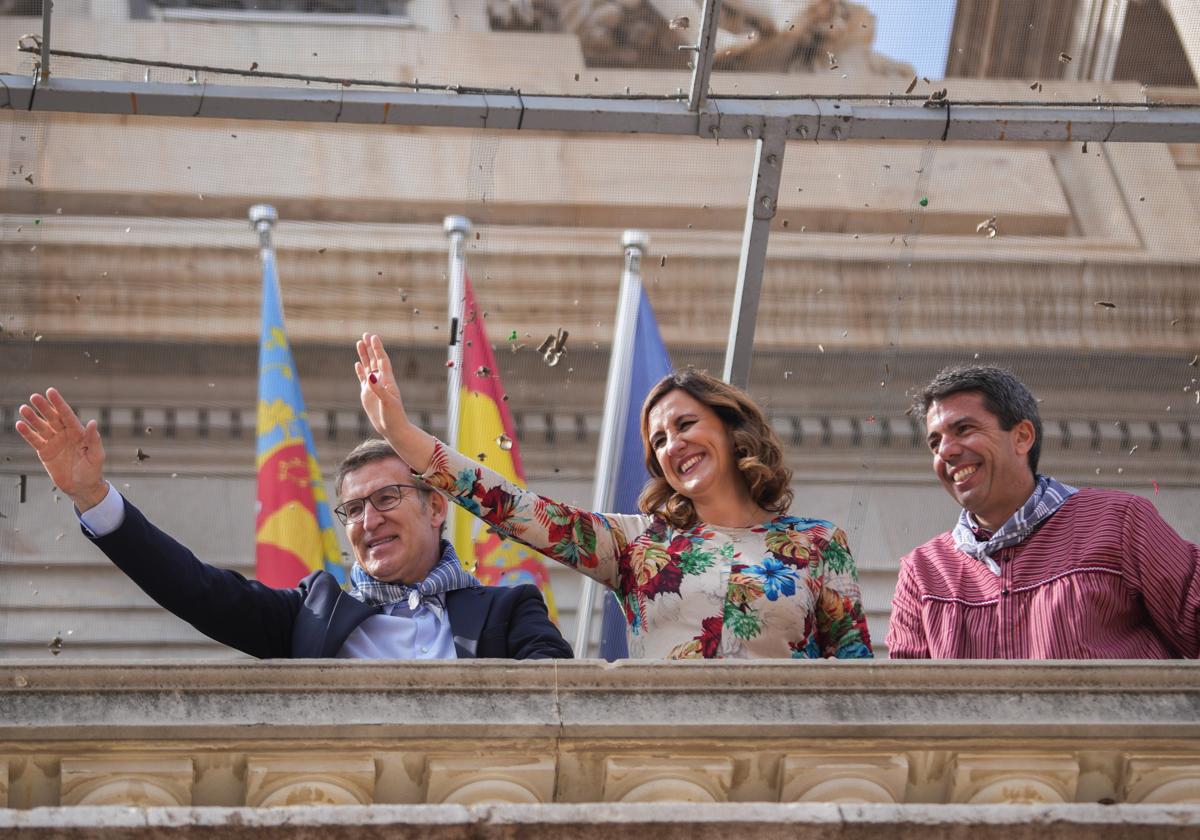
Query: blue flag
[{"x": 650, "y": 363}]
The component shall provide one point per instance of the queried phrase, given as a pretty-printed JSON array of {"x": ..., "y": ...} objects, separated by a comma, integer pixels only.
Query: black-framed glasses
[{"x": 385, "y": 498}]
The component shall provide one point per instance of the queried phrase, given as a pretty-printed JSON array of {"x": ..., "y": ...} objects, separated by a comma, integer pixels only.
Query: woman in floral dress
[{"x": 715, "y": 567}]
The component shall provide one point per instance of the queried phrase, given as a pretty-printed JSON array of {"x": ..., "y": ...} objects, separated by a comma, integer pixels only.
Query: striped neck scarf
[
  {"x": 446, "y": 576},
  {"x": 1048, "y": 496}
]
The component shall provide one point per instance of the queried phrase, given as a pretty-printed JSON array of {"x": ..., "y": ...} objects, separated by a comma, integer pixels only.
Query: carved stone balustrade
[{"x": 484, "y": 748}]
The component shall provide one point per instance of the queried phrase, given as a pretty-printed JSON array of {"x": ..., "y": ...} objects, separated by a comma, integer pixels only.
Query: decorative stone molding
[
  {"x": 309, "y": 778},
  {"x": 846, "y": 777},
  {"x": 485, "y": 733},
  {"x": 3, "y": 784},
  {"x": 995, "y": 779},
  {"x": 144, "y": 782},
  {"x": 1162, "y": 781},
  {"x": 490, "y": 780},
  {"x": 680, "y": 779}
]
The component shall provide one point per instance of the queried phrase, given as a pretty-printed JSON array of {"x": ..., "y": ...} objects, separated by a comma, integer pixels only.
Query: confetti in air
[
  {"x": 987, "y": 227},
  {"x": 553, "y": 347}
]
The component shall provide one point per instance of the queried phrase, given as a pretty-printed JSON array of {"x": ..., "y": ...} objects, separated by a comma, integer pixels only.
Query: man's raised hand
[
  {"x": 381, "y": 401},
  {"x": 70, "y": 452}
]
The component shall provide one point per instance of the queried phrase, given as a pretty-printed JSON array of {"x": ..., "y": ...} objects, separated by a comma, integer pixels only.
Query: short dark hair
[
  {"x": 1005, "y": 396},
  {"x": 755, "y": 445}
]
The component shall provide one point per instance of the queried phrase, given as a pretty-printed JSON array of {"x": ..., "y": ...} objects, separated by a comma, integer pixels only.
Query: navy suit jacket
[{"x": 315, "y": 618}]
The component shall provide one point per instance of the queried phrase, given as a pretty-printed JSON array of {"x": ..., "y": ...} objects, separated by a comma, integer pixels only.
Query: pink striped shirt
[{"x": 1103, "y": 578}]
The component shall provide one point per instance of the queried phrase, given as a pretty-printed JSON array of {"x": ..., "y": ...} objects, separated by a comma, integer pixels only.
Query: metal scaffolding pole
[
  {"x": 760, "y": 210},
  {"x": 826, "y": 119},
  {"x": 706, "y": 48}
]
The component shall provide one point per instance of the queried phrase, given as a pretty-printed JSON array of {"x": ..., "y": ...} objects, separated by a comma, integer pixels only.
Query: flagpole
[
  {"x": 456, "y": 229},
  {"x": 616, "y": 406}
]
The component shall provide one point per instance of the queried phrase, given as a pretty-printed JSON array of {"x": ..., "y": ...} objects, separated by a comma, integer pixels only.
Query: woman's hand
[
  {"x": 71, "y": 452},
  {"x": 380, "y": 396}
]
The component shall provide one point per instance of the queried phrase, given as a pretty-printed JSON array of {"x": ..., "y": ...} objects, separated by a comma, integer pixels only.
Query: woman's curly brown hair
[{"x": 755, "y": 445}]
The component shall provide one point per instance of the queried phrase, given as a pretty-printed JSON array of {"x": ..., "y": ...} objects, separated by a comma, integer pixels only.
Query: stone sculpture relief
[{"x": 780, "y": 36}]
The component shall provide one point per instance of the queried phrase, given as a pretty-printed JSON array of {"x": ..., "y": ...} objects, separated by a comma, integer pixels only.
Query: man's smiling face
[
  {"x": 399, "y": 545},
  {"x": 984, "y": 467}
]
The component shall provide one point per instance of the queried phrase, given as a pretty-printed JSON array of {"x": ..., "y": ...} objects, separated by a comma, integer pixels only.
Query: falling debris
[
  {"x": 680, "y": 22},
  {"x": 1064, "y": 58},
  {"x": 253, "y": 66},
  {"x": 988, "y": 227},
  {"x": 833, "y": 65},
  {"x": 553, "y": 347},
  {"x": 141, "y": 456},
  {"x": 484, "y": 372},
  {"x": 1195, "y": 360},
  {"x": 56, "y": 645},
  {"x": 449, "y": 363},
  {"x": 1135, "y": 449},
  {"x": 937, "y": 99},
  {"x": 911, "y": 85},
  {"x": 482, "y": 456},
  {"x": 662, "y": 261},
  {"x": 1155, "y": 483},
  {"x": 512, "y": 336},
  {"x": 320, "y": 250},
  {"x": 1036, "y": 86},
  {"x": 1107, "y": 304},
  {"x": 403, "y": 294},
  {"x": 29, "y": 178},
  {"x": 924, "y": 202},
  {"x": 504, "y": 442}
]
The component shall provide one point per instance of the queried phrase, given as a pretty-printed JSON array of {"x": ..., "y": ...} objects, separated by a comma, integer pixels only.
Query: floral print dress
[{"x": 784, "y": 588}]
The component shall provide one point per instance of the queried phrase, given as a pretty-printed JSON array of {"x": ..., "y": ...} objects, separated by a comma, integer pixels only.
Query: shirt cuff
[{"x": 105, "y": 517}]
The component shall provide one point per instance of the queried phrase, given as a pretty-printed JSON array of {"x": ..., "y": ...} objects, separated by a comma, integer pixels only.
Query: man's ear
[
  {"x": 1024, "y": 436},
  {"x": 438, "y": 507}
]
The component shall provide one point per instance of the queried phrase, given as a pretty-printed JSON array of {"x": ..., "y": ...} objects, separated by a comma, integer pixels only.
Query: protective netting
[{"x": 129, "y": 276}]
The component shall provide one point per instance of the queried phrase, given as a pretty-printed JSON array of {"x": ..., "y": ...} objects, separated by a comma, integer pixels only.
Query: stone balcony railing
[{"x": 569, "y": 748}]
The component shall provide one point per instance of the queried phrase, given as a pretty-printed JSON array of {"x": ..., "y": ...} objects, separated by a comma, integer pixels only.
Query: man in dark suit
[{"x": 410, "y": 597}]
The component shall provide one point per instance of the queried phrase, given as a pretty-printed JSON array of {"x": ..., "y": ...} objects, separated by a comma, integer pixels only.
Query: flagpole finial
[
  {"x": 456, "y": 224},
  {"x": 635, "y": 239},
  {"x": 263, "y": 215},
  {"x": 263, "y": 218}
]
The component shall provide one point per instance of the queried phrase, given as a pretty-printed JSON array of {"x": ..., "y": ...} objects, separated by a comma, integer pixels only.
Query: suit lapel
[
  {"x": 346, "y": 614},
  {"x": 467, "y": 609}
]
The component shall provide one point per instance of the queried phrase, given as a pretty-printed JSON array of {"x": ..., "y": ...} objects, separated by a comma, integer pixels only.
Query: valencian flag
[
  {"x": 649, "y": 363},
  {"x": 486, "y": 432},
  {"x": 294, "y": 533}
]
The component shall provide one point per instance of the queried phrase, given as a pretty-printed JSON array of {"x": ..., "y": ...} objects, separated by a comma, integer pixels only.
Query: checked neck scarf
[
  {"x": 1048, "y": 496},
  {"x": 446, "y": 576}
]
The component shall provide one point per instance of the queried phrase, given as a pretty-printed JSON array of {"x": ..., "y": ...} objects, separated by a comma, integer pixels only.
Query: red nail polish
[{"x": 373, "y": 378}]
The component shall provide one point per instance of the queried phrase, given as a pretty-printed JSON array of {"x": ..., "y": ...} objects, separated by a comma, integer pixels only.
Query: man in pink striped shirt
[{"x": 1034, "y": 569}]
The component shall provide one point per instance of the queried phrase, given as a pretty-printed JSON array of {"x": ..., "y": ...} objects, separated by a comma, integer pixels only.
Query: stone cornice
[
  {"x": 677, "y": 821},
  {"x": 348, "y": 734},
  {"x": 586, "y": 699}
]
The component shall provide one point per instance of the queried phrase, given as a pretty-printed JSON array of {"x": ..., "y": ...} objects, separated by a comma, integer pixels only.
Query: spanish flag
[
  {"x": 486, "y": 433},
  {"x": 294, "y": 533}
]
